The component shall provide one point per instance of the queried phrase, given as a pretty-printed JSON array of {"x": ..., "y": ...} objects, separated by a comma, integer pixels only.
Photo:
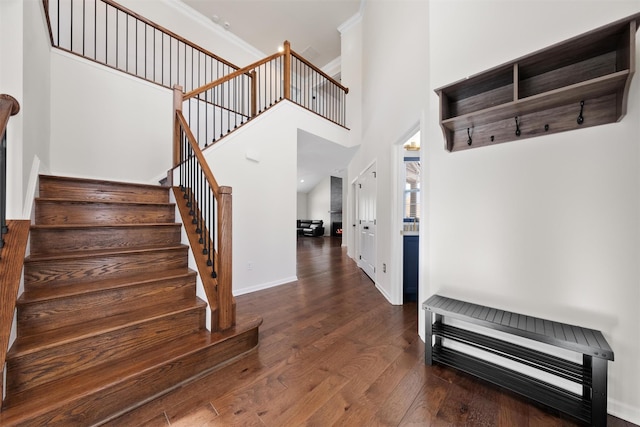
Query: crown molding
[
  {"x": 354, "y": 20},
  {"x": 206, "y": 22},
  {"x": 333, "y": 67}
]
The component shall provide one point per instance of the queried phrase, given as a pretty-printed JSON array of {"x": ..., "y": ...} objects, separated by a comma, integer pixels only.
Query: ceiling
[
  {"x": 312, "y": 28},
  {"x": 319, "y": 158},
  {"x": 310, "y": 25}
]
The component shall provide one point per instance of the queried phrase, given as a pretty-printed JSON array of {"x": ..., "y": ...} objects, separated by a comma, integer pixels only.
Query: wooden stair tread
[
  {"x": 45, "y": 294},
  {"x": 110, "y": 317},
  {"x": 99, "y": 202},
  {"x": 46, "y": 397},
  {"x": 28, "y": 344},
  {"x": 101, "y": 252},
  {"x": 102, "y": 225},
  {"x": 100, "y": 182}
]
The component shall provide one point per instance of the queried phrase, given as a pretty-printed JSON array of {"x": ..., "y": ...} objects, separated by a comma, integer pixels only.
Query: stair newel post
[
  {"x": 287, "y": 70},
  {"x": 177, "y": 106},
  {"x": 8, "y": 107},
  {"x": 226, "y": 314}
]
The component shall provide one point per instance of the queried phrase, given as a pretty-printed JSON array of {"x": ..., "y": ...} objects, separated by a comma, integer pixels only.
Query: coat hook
[
  {"x": 517, "y": 127},
  {"x": 492, "y": 138},
  {"x": 546, "y": 127},
  {"x": 580, "y": 117},
  {"x": 469, "y": 141}
]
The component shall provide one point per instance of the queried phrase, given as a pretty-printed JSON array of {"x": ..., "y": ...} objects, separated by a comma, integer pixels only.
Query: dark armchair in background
[{"x": 310, "y": 227}]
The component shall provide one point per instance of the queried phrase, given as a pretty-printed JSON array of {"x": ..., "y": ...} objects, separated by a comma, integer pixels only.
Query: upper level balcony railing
[
  {"x": 223, "y": 105},
  {"x": 107, "y": 33}
]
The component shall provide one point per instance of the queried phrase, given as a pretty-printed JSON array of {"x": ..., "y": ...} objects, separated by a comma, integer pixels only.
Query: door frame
[
  {"x": 358, "y": 251},
  {"x": 397, "y": 214}
]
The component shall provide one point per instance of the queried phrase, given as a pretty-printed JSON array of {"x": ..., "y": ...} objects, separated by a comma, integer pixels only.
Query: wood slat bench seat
[{"x": 590, "y": 406}]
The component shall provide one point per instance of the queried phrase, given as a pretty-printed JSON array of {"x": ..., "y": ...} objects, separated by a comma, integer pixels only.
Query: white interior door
[{"x": 367, "y": 221}]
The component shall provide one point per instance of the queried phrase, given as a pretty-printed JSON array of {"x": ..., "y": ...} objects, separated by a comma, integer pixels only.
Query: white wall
[
  {"x": 264, "y": 192},
  {"x": 176, "y": 16},
  {"x": 351, "y": 74},
  {"x": 319, "y": 203},
  {"x": 36, "y": 108},
  {"x": 301, "y": 211},
  {"x": 119, "y": 129},
  {"x": 12, "y": 83},
  {"x": 24, "y": 74},
  {"x": 546, "y": 226},
  {"x": 390, "y": 80}
]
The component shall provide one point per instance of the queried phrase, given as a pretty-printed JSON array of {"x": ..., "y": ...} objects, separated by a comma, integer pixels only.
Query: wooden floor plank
[{"x": 334, "y": 352}]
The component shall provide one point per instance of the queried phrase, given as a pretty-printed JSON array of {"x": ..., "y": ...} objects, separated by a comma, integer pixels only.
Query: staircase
[{"x": 109, "y": 317}]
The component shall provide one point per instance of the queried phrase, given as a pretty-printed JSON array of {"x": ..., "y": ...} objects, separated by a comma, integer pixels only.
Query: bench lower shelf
[
  {"x": 577, "y": 389},
  {"x": 539, "y": 391}
]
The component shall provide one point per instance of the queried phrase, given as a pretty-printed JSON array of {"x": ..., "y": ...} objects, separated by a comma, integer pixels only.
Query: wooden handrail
[
  {"x": 198, "y": 153},
  {"x": 256, "y": 64},
  {"x": 8, "y": 107},
  {"x": 45, "y": 3},
  {"x": 222, "y": 297},
  {"x": 151, "y": 24},
  {"x": 319, "y": 71},
  {"x": 231, "y": 76}
]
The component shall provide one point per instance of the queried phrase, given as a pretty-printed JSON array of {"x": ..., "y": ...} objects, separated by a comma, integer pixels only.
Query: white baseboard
[
  {"x": 384, "y": 293},
  {"x": 263, "y": 286},
  {"x": 623, "y": 411},
  {"x": 32, "y": 189}
]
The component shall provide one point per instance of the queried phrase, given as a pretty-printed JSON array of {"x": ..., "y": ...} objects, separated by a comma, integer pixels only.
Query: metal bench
[{"x": 590, "y": 406}]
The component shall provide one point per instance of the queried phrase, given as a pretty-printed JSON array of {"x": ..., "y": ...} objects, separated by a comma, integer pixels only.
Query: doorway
[
  {"x": 409, "y": 193},
  {"x": 366, "y": 201}
]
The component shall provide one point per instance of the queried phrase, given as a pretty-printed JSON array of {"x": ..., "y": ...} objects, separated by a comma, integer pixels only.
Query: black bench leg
[
  {"x": 598, "y": 369},
  {"x": 428, "y": 342},
  {"x": 428, "y": 348}
]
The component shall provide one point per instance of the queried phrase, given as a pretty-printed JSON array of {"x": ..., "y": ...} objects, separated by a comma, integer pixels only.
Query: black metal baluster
[
  {"x": 270, "y": 91},
  {"x": 181, "y": 166},
  {"x": 136, "y": 47},
  {"x": 162, "y": 59},
  {"x": 146, "y": 57},
  {"x": 58, "y": 24},
  {"x": 185, "y": 66},
  {"x": 117, "y": 35},
  {"x": 214, "y": 102},
  {"x": 198, "y": 199},
  {"x": 258, "y": 78},
  {"x": 84, "y": 17},
  {"x": 106, "y": 33},
  {"x": 212, "y": 233},
  {"x": 95, "y": 29},
  {"x": 178, "y": 63},
  {"x": 190, "y": 179},
  {"x": 71, "y": 26},
  {"x": 3, "y": 187},
  {"x": 207, "y": 100},
  {"x": 207, "y": 249}
]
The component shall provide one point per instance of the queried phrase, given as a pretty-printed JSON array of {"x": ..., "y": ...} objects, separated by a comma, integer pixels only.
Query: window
[{"x": 412, "y": 193}]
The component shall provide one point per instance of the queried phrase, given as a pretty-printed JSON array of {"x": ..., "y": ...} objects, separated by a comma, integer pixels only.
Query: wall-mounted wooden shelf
[{"x": 545, "y": 92}]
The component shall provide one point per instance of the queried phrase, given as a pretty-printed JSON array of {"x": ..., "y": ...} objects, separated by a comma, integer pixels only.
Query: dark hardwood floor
[{"x": 333, "y": 351}]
